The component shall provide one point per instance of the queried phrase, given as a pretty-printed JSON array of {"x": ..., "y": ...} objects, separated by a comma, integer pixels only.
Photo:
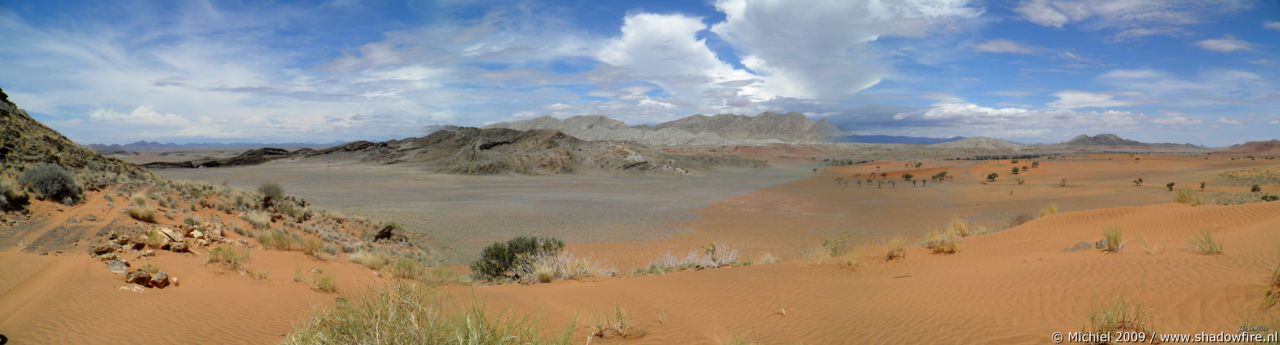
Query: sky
[{"x": 1032, "y": 71}]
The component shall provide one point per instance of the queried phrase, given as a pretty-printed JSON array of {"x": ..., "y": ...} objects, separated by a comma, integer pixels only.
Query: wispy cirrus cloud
[{"x": 1224, "y": 44}]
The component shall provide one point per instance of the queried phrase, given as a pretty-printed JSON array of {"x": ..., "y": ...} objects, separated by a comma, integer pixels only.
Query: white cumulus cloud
[
  {"x": 1005, "y": 46},
  {"x": 1224, "y": 44}
]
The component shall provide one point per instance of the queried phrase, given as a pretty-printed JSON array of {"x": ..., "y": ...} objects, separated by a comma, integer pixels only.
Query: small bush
[
  {"x": 52, "y": 182},
  {"x": 768, "y": 258},
  {"x": 1185, "y": 196},
  {"x": 501, "y": 260},
  {"x": 272, "y": 191},
  {"x": 140, "y": 210},
  {"x": 1255, "y": 188},
  {"x": 1114, "y": 239},
  {"x": 155, "y": 239},
  {"x": 1205, "y": 244},
  {"x": 231, "y": 257},
  {"x": 1022, "y": 219},
  {"x": 1050, "y": 209},
  {"x": 191, "y": 220},
  {"x": 897, "y": 249},
  {"x": 618, "y": 324}
]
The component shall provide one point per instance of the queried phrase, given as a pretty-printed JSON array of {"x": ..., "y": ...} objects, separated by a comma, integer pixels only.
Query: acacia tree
[
  {"x": 992, "y": 177},
  {"x": 1138, "y": 182},
  {"x": 1201, "y": 186},
  {"x": 1170, "y": 185},
  {"x": 1015, "y": 170},
  {"x": 907, "y": 177}
]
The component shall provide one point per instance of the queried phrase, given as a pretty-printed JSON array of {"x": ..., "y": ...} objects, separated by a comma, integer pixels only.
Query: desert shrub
[
  {"x": 897, "y": 249},
  {"x": 155, "y": 239},
  {"x": 258, "y": 219},
  {"x": 52, "y": 182},
  {"x": 372, "y": 260},
  {"x": 561, "y": 265},
  {"x": 720, "y": 254},
  {"x": 992, "y": 176},
  {"x": 231, "y": 257},
  {"x": 408, "y": 313},
  {"x": 324, "y": 283},
  {"x": 1255, "y": 188},
  {"x": 959, "y": 227},
  {"x": 1270, "y": 197},
  {"x": 1204, "y": 243},
  {"x": 272, "y": 191},
  {"x": 1120, "y": 316},
  {"x": 1273, "y": 288},
  {"x": 1050, "y": 209},
  {"x": 191, "y": 220},
  {"x": 768, "y": 258},
  {"x": 1115, "y": 240},
  {"x": 501, "y": 260},
  {"x": 312, "y": 247},
  {"x": 11, "y": 197},
  {"x": 140, "y": 210},
  {"x": 943, "y": 242},
  {"x": 1186, "y": 196}
]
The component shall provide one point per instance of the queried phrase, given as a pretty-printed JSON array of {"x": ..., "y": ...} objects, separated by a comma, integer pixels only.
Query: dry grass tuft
[
  {"x": 943, "y": 242},
  {"x": 231, "y": 257},
  {"x": 1120, "y": 316},
  {"x": 1186, "y": 196},
  {"x": 1050, "y": 209},
  {"x": 1115, "y": 240},
  {"x": 897, "y": 249},
  {"x": 260, "y": 220},
  {"x": 324, "y": 283},
  {"x": 140, "y": 210},
  {"x": 616, "y": 324},
  {"x": 372, "y": 260}
]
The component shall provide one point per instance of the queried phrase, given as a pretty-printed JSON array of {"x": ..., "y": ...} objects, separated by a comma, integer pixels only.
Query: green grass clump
[
  {"x": 258, "y": 219},
  {"x": 231, "y": 257},
  {"x": 1120, "y": 316},
  {"x": 405, "y": 312},
  {"x": 1115, "y": 240},
  {"x": 1205, "y": 244},
  {"x": 279, "y": 239},
  {"x": 406, "y": 268}
]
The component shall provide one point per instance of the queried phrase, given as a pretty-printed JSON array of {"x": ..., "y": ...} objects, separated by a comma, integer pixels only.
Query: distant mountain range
[
  {"x": 722, "y": 129},
  {"x": 891, "y": 139},
  {"x": 1257, "y": 147},
  {"x": 1115, "y": 140},
  {"x": 156, "y": 146}
]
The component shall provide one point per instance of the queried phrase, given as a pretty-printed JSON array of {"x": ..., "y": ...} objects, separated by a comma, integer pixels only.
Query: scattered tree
[
  {"x": 1062, "y": 183},
  {"x": 992, "y": 177},
  {"x": 918, "y": 164},
  {"x": 1201, "y": 186},
  {"x": 1015, "y": 170},
  {"x": 1170, "y": 186},
  {"x": 1035, "y": 164},
  {"x": 883, "y": 175},
  {"x": 1255, "y": 189},
  {"x": 1021, "y": 181},
  {"x": 1138, "y": 182},
  {"x": 907, "y": 177}
]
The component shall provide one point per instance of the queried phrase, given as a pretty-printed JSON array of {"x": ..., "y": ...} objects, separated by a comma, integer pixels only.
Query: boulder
[
  {"x": 118, "y": 266},
  {"x": 108, "y": 257},
  {"x": 160, "y": 280},
  {"x": 138, "y": 277},
  {"x": 1101, "y": 244},
  {"x": 103, "y": 248},
  {"x": 197, "y": 234},
  {"x": 179, "y": 247},
  {"x": 173, "y": 236}
]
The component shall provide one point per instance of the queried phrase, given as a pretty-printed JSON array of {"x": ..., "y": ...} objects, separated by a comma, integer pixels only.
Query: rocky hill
[
  {"x": 27, "y": 142},
  {"x": 723, "y": 129},
  {"x": 1115, "y": 140},
  {"x": 477, "y": 151},
  {"x": 1257, "y": 147},
  {"x": 978, "y": 143}
]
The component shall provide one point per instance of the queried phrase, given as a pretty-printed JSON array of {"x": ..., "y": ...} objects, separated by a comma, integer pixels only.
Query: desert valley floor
[{"x": 1020, "y": 278}]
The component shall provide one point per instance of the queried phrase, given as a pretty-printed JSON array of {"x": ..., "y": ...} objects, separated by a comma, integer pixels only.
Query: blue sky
[{"x": 1034, "y": 71}]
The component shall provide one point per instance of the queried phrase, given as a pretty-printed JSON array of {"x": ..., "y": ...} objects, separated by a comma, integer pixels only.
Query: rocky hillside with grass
[
  {"x": 717, "y": 130},
  {"x": 487, "y": 151},
  {"x": 26, "y": 142},
  {"x": 1269, "y": 147}
]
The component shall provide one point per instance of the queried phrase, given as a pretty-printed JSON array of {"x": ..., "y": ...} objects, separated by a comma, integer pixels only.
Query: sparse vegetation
[
  {"x": 12, "y": 198},
  {"x": 257, "y": 219},
  {"x": 992, "y": 177},
  {"x": 324, "y": 283},
  {"x": 616, "y": 324},
  {"x": 1021, "y": 218},
  {"x": 1170, "y": 186},
  {"x": 1255, "y": 188},
  {"x": 371, "y": 259},
  {"x": 1188, "y": 197},
  {"x": 271, "y": 192},
  {"x": 228, "y": 256},
  {"x": 1273, "y": 289},
  {"x": 407, "y": 313},
  {"x": 1204, "y": 243},
  {"x": 1120, "y": 316},
  {"x": 140, "y": 210},
  {"x": 52, "y": 182}
]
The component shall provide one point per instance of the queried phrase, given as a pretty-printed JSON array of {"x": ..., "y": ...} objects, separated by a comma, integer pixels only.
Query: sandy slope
[
  {"x": 71, "y": 298},
  {"x": 1015, "y": 286}
]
